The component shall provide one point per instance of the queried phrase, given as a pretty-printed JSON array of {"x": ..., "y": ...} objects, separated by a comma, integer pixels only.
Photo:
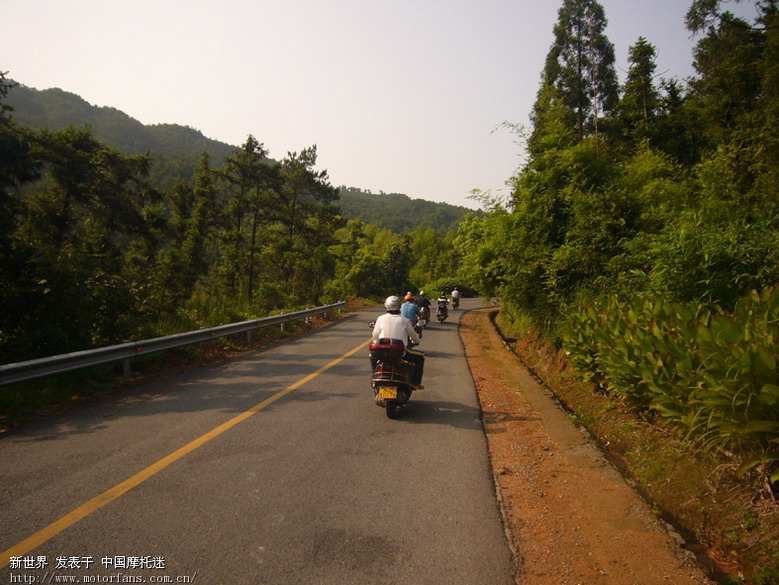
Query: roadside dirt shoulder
[{"x": 572, "y": 516}]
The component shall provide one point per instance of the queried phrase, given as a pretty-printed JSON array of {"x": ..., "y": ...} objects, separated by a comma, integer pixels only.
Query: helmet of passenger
[
  {"x": 409, "y": 297},
  {"x": 392, "y": 303}
]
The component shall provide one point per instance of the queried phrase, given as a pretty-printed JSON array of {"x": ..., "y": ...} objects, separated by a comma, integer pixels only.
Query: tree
[
  {"x": 307, "y": 219},
  {"x": 640, "y": 102},
  {"x": 729, "y": 86},
  {"x": 580, "y": 65},
  {"x": 251, "y": 178},
  {"x": 77, "y": 226},
  {"x": 302, "y": 190}
]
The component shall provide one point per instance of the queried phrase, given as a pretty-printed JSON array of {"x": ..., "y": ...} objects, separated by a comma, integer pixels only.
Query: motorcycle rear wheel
[{"x": 391, "y": 406}]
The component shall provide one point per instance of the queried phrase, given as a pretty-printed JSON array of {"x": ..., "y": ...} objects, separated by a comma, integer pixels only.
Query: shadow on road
[{"x": 438, "y": 412}]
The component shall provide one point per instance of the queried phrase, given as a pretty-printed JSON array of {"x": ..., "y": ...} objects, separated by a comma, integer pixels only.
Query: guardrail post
[
  {"x": 249, "y": 337},
  {"x": 126, "y": 370},
  {"x": 308, "y": 319},
  {"x": 282, "y": 324}
]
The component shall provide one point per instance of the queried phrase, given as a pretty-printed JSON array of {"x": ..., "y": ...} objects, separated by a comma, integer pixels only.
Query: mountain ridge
[{"x": 177, "y": 148}]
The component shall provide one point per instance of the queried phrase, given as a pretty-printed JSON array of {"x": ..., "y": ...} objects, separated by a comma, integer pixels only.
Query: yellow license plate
[{"x": 388, "y": 392}]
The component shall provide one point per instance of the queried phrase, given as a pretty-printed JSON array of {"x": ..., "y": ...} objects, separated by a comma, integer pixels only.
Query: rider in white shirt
[{"x": 393, "y": 325}]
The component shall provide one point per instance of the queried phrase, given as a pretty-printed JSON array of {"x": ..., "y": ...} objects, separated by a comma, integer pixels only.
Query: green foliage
[
  {"x": 57, "y": 109},
  {"x": 176, "y": 149},
  {"x": 436, "y": 287},
  {"x": 635, "y": 116},
  {"x": 633, "y": 239},
  {"x": 398, "y": 212},
  {"x": 709, "y": 373},
  {"x": 580, "y": 64},
  {"x": 85, "y": 234}
]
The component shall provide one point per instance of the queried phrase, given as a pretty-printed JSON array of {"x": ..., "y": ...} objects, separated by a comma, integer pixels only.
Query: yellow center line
[{"x": 110, "y": 495}]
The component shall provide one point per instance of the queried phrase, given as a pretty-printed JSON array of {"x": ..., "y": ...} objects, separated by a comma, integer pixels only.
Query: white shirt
[{"x": 394, "y": 327}]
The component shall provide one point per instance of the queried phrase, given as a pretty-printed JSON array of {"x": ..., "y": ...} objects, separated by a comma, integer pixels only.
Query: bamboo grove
[{"x": 643, "y": 218}]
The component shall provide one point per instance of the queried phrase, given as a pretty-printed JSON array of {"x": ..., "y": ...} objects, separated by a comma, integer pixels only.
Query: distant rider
[
  {"x": 424, "y": 305},
  {"x": 455, "y": 298}
]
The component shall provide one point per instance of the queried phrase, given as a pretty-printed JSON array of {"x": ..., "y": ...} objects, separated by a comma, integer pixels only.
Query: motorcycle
[
  {"x": 420, "y": 325},
  {"x": 442, "y": 312},
  {"x": 391, "y": 376}
]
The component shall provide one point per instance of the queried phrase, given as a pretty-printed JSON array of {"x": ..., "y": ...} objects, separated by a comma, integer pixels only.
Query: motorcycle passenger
[
  {"x": 409, "y": 309},
  {"x": 395, "y": 326},
  {"x": 424, "y": 305}
]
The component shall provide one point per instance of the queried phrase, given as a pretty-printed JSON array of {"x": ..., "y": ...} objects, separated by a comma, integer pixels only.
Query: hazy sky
[{"x": 398, "y": 95}]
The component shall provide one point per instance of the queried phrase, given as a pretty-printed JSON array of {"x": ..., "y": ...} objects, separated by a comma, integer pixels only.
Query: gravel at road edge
[{"x": 572, "y": 517}]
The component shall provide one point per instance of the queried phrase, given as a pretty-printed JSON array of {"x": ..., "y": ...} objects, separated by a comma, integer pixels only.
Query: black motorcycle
[
  {"x": 421, "y": 322},
  {"x": 442, "y": 312}
]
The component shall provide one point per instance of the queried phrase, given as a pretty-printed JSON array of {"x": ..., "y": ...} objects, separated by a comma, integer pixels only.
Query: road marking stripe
[{"x": 110, "y": 495}]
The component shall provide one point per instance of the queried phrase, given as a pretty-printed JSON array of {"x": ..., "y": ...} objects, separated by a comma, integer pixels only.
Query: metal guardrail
[{"x": 31, "y": 369}]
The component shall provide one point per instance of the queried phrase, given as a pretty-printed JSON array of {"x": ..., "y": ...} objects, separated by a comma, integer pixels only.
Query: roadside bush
[{"x": 708, "y": 373}]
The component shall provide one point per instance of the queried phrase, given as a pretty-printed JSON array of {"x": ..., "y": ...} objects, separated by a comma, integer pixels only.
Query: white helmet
[{"x": 392, "y": 303}]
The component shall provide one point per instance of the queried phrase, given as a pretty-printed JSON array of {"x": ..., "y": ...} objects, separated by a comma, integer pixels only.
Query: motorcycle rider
[
  {"x": 409, "y": 309},
  {"x": 395, "y": 326},
  {"x": 424, "y": 305},
  {"x": 455, "y": 298}
]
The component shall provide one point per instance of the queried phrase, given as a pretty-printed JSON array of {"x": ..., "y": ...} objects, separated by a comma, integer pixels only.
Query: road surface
[{"x": 272, "y": 468}]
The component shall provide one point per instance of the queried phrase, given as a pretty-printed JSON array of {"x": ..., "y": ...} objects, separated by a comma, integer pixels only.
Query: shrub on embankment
[
  {"x": 705, "y": 372},
  {"x": 685, "y": 397}
]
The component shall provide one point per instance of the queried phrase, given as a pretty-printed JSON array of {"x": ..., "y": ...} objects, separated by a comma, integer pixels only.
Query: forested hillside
[
  {"x": 176, "y": 150},
  {"x": 642, "y": 235},
  {"x": 88, "y": 232},
  {"x": 398, "y": 212},
  {"x": 56, "y": 109}
]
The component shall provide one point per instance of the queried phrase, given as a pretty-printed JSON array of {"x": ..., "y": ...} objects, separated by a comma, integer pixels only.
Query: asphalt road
[{"x": 310, "y": 484}]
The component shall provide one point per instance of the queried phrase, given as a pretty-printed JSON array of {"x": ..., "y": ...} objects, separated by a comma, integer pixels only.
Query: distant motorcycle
[
  {"x": 442, "y": 312},
  {"x": 455, "y": 302}
]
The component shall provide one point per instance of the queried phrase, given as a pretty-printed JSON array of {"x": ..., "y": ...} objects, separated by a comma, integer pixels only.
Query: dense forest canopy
[{"x": 663, "y": 187}]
